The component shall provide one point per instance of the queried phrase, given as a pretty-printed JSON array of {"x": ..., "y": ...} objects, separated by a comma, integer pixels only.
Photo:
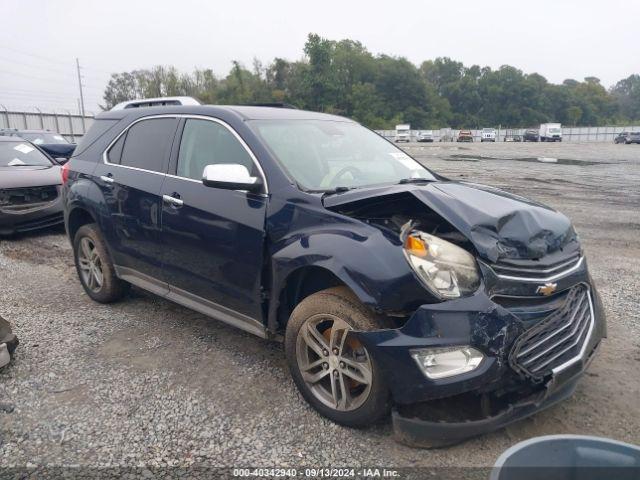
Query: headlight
[
  {"x": 446, "y": 269},
  {"x": 446, "y": 362}
]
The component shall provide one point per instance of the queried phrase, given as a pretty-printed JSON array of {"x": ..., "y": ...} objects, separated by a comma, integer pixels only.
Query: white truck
[
  {"x": 403, "y": 132},
  {"x": 550, "y": 132}
]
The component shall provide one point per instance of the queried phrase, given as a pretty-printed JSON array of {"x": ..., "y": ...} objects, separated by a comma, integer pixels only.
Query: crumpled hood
[
  {"x": 28, "y": 176},
  {"x": 499, "y": 225}
]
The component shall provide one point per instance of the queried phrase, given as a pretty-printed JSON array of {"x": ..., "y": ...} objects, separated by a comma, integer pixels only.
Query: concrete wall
[{"x": 71, "y": 126}]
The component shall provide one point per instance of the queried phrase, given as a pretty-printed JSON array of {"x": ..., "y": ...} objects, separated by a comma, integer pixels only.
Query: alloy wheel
[
  {"x": 335, "y": 366},
  {"x": 90, "y": 265}
]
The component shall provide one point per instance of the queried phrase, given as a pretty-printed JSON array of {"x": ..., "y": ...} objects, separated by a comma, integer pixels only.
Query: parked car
[
  {"x": 550, "y": 132},
  {"x": 530, "y": 135},
  {"x": 425, "y": 136},
  {"x": 30, "y": 183},
  {"x": 462, "y": 306},
  {"x": 512, "y": 138},
  {"x": 8, "y": 342},
  {"x": 627, "y": 138},
  {"x": 488, "y": 135},
  {"x": 51, "y": 142},
  {"x": 465, "y": 136}
]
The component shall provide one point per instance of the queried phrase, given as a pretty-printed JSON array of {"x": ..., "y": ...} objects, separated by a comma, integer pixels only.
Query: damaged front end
[{"x": 504, "y": 336}]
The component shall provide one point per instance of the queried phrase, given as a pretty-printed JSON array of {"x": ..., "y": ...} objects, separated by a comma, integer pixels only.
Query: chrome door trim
[
  {"x": 219, "y": 312},
  {"x": 194, "y": 302},
  {"x": 106, "y": 161},
  {"x": 139, "y": 279}
]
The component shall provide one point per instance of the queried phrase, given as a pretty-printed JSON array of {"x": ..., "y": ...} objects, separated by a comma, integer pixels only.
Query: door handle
[
  {"x": 106, "y": 178},
  {"x": 176, "y": 202}
]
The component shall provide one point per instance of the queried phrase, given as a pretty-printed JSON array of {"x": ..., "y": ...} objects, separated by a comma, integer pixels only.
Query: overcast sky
[{"x": 39, "y": 40}]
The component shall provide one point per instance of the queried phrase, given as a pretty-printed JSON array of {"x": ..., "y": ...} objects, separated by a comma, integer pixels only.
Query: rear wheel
[
  {"x": 94, "y": 266},
  {"x": 333, "y": 371}
]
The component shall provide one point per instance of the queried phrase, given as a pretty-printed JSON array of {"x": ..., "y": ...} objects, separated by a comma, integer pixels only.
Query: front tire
[
  {"x": 331, "y": 368},
  {"x": 94, "y": 266}
]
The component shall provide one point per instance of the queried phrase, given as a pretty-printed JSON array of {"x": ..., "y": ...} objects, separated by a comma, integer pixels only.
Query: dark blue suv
[{"x": 458, "y": 307}]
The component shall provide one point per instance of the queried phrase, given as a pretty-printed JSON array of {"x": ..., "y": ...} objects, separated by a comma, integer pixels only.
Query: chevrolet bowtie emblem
[{"x": 547, "y": 289}]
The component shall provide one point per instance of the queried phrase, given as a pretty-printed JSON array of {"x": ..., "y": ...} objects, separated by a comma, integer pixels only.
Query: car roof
[
  {"x": 13, "y": 138},
  {"x": 240, "y": 111},
  {"x": 22, "y": 130}
]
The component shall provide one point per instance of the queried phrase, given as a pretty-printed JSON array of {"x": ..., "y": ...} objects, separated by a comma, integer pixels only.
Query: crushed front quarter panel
[{"x": 475, "y": 321}]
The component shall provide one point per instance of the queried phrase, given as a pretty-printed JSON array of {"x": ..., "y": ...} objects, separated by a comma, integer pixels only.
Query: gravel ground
[{"x": 148, "y": 383}]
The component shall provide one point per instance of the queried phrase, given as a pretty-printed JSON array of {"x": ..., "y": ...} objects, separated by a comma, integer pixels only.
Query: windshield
[
  {"x": 323, "y": 155},
  {"x": 18, "y": 154},
  {"x": 40, "y": 138},
  {"x": 488, "y": 130},
  {"x": 554, "y": 130}
]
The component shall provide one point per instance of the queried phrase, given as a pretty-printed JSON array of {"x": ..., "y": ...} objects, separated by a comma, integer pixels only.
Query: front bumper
[
  {"x": 492, "y": 395},
  {"x": 24, "y": 220},
  {"x": 425, "y": 433}
]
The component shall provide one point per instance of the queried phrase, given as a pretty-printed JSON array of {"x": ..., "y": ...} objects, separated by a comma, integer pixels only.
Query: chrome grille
[
  {"x": 558, "y": 340},
  {"x": 538, "y": 273}
]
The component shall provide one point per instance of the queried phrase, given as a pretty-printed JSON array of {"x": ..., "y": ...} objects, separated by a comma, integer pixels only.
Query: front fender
[{"x": 367, "y": 260}]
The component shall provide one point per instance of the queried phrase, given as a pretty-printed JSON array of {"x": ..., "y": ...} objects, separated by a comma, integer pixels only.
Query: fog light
[{"x": 448, "y": 361}]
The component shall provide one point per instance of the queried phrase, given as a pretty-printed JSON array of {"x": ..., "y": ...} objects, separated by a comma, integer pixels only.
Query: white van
[
  {"x": 551, "y": 132},
  {"x": 403, "y": 132}
]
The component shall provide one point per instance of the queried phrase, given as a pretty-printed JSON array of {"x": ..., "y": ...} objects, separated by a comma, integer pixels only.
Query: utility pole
[{"x": 80, "y": 86}]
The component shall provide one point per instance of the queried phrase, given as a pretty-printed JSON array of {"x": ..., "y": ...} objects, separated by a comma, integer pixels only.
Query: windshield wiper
[
  {"x": 336, "y": 190},
  {"x": 416, "y": 180},
  {"x": 28, "y": 165}
]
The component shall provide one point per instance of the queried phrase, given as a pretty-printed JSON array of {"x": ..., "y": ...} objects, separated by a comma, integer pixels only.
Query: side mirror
[{"x": 230, "y": 176}]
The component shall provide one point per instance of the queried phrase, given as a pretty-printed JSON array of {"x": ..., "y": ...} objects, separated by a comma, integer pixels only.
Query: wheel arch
[
  {"x": 76, "y": 218},
  {"x": 298, "y": 285}
]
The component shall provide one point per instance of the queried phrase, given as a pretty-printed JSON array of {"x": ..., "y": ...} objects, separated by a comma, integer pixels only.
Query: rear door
[
  {"x": 130, "y": 178},
  {"x": 214, "y": 238}
]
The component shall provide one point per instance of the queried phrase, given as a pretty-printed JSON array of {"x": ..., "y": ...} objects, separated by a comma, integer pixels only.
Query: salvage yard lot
[{"x": 148, "y": 382}]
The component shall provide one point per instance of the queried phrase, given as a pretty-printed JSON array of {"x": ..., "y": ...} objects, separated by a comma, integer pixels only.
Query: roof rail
[
  {"x": 273, "y": 104},
  {"x": 156, "y": 102}
]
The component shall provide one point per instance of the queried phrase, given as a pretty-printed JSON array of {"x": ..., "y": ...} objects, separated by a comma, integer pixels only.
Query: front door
[
  {"x": 213, "y": 238},
  {"x": 130, "y": 180}
]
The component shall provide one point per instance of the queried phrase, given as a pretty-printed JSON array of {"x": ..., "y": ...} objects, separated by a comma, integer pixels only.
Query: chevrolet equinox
[{"x": 456, "y": 307}]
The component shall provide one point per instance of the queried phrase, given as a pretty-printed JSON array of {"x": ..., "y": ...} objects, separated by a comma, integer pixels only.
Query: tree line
[{"x": 344, "y": 78}]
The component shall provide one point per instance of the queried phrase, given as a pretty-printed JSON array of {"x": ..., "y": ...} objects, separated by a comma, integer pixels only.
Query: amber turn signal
[{"x": 416, "y": 246}]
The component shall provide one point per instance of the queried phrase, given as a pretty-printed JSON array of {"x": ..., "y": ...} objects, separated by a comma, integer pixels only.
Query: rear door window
[
  {"x": 115, "y": 152},
  {"x": 148, "y": 144}
]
